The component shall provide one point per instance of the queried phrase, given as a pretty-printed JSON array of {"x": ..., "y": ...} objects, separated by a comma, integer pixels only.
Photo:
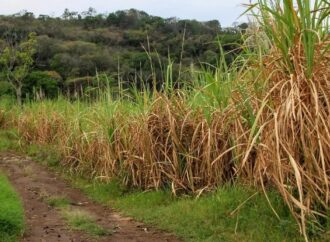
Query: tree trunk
[{"x": 19, "y": 95}]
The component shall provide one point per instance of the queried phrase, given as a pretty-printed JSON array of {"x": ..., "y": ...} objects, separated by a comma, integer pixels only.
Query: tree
[
  {"x": 214, "y": 25},
  {"x": 17, "y": 59},
  {"x": 91, "y": 12},
  {"x": 68, "y": 15},
  {"x": 112, "y": 19}
]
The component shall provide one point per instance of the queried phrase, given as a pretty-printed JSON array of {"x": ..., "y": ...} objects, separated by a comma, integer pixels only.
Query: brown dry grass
[
  {"x": 174, "y": 146},
  {"x": 287, "y": 146},
  {"x": 292, "y": 151}
]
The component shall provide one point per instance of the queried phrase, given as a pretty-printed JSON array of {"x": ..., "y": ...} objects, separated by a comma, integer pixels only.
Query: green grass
[
  {"x": 8, "y": 140},
  {"x": 208, "y": 218},
  {"x": 57, "y": 201},
  {"x": 81, "y": 220},
  {"x": 11, "y": 212}
]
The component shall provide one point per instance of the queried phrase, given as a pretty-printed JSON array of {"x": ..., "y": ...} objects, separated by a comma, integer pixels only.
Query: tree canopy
[{"x": 119, "y": 44}]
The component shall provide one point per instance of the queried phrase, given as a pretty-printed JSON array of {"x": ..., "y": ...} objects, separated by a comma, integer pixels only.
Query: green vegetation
[
  {"x": 57, "y": 201},
  {"x": 259, "y": 119},
  {"x": 17, "y": 60},
  {"x": 311, "y": 20},
  {"x": 228, "y": 214},
  {"x": 11, "y": 212},
  {"x": 8, "y": 140},
  {"x": 129, "y": 46},
  {"x": 81, "y": 220}
]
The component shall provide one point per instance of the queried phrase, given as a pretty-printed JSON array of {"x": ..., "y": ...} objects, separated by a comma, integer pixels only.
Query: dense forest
[{"x": 131, "y": 46}]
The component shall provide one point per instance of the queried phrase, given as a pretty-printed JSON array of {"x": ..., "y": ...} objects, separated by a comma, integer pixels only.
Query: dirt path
[{"x": 45, "y": 224}]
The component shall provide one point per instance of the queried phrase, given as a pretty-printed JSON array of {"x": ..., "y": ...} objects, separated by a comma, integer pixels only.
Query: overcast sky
[{"x": 226, "y": 11}]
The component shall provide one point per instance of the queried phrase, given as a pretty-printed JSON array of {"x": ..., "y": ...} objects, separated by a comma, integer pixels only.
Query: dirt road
[{"x": 44, "y": 223}]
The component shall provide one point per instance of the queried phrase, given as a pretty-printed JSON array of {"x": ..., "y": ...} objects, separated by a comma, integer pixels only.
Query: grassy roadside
[
  {"x": 11, "y": 212},
  {"x": 232, "y": 213},
  {"x": 213, "y": 217}
]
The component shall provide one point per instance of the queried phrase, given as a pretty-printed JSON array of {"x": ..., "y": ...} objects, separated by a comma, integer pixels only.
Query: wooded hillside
[{"x": 130, "y": 45}]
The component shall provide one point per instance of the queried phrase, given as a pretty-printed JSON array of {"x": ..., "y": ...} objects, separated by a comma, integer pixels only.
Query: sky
[{"x": 226, "y": 11}]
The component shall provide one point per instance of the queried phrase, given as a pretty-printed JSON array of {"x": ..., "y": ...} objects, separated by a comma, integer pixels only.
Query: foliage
[
  {"x": 6, "y": 88},
  {"x": 81, "y": 44},
  {"x": 17, "y": 59},
  {"x": 45, "y": 83},
  {"x": 287, "y": 27}
]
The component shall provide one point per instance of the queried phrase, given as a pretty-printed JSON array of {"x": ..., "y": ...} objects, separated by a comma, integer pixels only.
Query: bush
[
  {"x": 6, "y": 88},
  {"x": 47, "y": 83}
]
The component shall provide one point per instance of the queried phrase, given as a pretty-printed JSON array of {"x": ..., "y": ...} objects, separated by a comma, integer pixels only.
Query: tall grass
[
  {"x": 300, "y": 25},
  {"x": 263, "y": 120},
  {"x": 293, "y": 139}
]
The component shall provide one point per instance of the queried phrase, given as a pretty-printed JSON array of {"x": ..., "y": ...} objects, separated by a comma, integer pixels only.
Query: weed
[
  {"x": 82, "y": 220},
  {"x": 58, "y": 201}
]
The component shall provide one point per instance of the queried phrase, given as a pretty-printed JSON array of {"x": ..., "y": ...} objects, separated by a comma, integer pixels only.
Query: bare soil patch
[{"x": 45, "y": 223}]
